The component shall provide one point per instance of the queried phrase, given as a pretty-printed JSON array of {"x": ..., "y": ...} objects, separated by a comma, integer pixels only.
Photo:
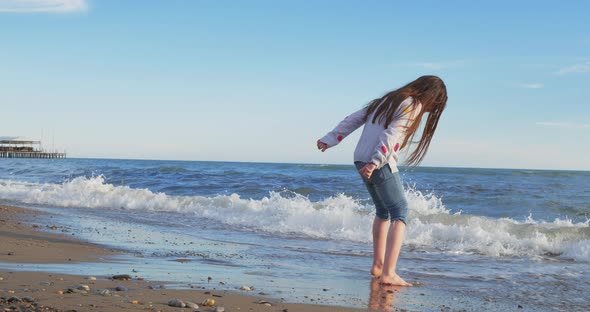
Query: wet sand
[{"x": 23, "y": 241}]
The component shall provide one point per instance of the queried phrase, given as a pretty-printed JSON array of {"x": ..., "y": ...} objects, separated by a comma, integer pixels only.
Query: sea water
[{"x": 477, "y": 239}]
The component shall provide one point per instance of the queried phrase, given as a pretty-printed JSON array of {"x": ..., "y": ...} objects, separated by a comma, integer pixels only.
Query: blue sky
[{"x": 262, "y": 80}]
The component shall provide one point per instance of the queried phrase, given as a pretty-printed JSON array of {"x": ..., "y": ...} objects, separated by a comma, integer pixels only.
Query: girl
[{"x": 390, "y": 125}]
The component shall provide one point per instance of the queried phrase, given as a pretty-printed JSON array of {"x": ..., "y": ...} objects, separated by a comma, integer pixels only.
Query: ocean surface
[{"x": 478, "y": 239}]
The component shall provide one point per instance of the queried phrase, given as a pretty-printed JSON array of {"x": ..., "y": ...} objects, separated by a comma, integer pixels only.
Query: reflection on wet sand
[{"x": 382, "y": 297}]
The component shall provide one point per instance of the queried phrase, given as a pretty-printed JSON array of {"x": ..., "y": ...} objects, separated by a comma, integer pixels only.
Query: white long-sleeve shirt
[{"x": 378, "y": 144}]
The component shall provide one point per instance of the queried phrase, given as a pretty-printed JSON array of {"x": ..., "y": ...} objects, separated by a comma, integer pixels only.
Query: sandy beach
[{"x": 24, "y": 243}]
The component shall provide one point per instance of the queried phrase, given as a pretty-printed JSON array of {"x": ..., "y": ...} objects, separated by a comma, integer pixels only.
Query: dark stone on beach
[
  {"x": 13, "y": 299},
  {"x": 122, "y": 277},
  {"x": 156, "y": 287},
  {"x": 520, "y": 306},
  {"x": 121, "y": 288},
  {"x": 28, "y": 299},
  {"x": 10, "y": 253},
  {"x": 262, "y": 293},
  {"x": 176, "y": 303}
]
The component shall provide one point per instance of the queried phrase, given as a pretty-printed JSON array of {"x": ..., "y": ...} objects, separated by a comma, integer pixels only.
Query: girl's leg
[
  {"x": 395, "y": 236},
  {"x": 380, "y": 222},
  {"x": 380, "y": 229}
]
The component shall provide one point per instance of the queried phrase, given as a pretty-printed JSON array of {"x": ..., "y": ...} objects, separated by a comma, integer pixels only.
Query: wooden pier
[
  {"x": 12, "y": 147},
  {"x": 31, "y": 155}
]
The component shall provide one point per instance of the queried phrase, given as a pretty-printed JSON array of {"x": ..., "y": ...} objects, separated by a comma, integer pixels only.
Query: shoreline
[{"x": 22, "y": 241}]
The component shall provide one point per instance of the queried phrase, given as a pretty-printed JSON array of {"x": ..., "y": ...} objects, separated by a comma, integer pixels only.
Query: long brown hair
[{"x": 431, "y": 92}]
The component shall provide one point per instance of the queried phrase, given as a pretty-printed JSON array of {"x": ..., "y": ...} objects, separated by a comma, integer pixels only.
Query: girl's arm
[
  {"x": 343, "y": 129},
  {"x": 393, "y": 136}
]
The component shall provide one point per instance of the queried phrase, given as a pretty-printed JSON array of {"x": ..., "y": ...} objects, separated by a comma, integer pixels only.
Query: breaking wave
[{"x": 431, "y": 226}]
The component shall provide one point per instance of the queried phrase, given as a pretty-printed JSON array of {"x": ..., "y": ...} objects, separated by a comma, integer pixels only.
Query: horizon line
[{"x": 330, "y": 164}]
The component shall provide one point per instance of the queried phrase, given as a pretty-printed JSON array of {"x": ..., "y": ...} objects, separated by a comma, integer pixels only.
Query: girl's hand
[
  {"x": 322, "y": 146},
  {"x": 367, "y": 170}
]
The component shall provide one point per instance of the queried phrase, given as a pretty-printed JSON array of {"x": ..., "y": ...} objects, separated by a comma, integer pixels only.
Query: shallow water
[{"x": 302, "y": 232}]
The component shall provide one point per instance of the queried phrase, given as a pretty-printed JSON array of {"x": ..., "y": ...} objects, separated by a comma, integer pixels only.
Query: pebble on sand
[
  {"x": 76, "y": 291},
  {"x": 83, "y": 287},
  {"x": 245, "y": 288},
  {"x": 122, "y": 277},
  {"x": 266, "y": 303},
  {"x": 176, "y": 303},
  {"x": 191, "y": 305},
  {"x": 208, "y": 302},
  {"x": 220, "y": 309},
  {"x": 91, "y": 278},
  {"x": 121, "y": 288},
  {"x": 28, "y": 299},
  {"x": 105, "y": 293},
  {"x": 13, "y": 299}
]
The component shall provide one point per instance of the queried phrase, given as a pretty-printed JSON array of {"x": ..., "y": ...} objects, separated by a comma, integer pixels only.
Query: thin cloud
[
  {"x": 50, "y": 6},
  {"x": 531, "y": 85},
  {"x": 575, "y": 69},
  {"x": 563, "y": 125}
]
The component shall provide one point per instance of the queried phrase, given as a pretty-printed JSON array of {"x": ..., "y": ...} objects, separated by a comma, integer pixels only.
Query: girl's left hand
[
  {"x": 367, "y": 170},
  {"x": 322, "y": 146}
]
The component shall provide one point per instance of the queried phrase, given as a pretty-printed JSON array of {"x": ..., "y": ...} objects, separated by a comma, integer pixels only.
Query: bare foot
[
  {"x": 376, "y": 270},
  {"x": 395, "y": 280}
]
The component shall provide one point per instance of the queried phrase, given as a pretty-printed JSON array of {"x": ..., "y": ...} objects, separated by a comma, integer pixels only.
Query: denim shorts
[{"x": 387, "y": 193}]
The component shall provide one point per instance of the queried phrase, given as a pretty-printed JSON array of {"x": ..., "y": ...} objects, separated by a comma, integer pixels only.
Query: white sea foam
[{"x": 431, "y": 225}]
